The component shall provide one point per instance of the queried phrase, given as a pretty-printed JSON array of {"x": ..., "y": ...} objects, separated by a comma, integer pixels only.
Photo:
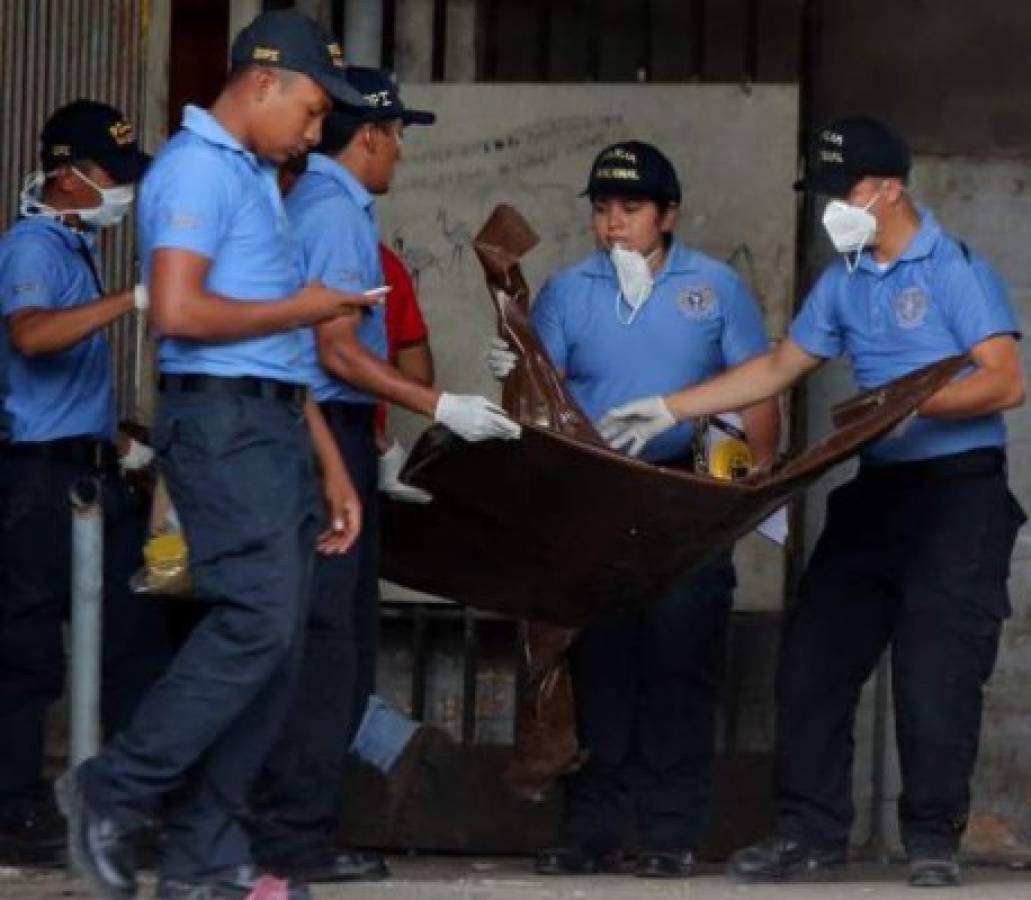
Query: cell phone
[{"x": 377, "y": 291}]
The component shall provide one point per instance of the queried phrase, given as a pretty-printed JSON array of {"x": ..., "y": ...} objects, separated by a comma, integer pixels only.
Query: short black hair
[
  {"x": 337, "y": 134},
  {"x": 338, "y": 131},
  {"x": 662, "y": 204}
]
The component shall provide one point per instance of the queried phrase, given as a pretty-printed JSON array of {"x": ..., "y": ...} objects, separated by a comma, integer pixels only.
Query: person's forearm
[
  {"x": 416, "y": 362},
  {"x": 758, "y": 379},
  {"x": 353, "y": 363},
  {"x": 36, "y": 332},
  {"x": 762, "y": 426},
  {"x": 326, "y": 450},
  {"x": 212, "y": 318},
  {"x": 979, "y": 394}
]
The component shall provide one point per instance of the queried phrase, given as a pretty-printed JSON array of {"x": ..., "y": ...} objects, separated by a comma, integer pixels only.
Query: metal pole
[
  {"x": 460, "y": 41},
  {"x": 363, "y": 32},
  {"x": 413, "y": 42},
  {"x": 319, "y": 10},
  {"x": 87, "y": 585},
  {"x": 241, "y": 12}
]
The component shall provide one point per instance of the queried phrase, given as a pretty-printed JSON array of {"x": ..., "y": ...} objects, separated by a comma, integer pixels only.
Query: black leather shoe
[
  {"x": 942, "y": 871},
  {"x": 574, "y": 861},
  {"x": 783, "y": 859},
  {"x": 346, "y": 865},
  {"x": 243, "y": 883},
  {"x": 33, "y": 833},
  {"x": 100, "y": 847},
  {"x": 665, "y": 864}
]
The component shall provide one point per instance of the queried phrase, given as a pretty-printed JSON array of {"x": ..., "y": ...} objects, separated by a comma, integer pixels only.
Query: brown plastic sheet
[{"x": 559, "y": 530}]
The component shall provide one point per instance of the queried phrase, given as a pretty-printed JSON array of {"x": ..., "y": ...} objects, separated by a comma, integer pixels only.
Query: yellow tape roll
[{"x": 730, "y": 459}]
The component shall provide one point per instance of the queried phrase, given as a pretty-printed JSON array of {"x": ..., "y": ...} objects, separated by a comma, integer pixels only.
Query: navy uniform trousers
[
  {"x": 914, "y": 556},
  {"x": 241, "y": 473},
  {"x": 645, "y": 689},
  {"x": 297, "y": 800},
  {"x": 35, "y": 579}
]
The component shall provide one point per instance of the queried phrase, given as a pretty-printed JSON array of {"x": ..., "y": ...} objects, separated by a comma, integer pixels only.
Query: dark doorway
[{"x": 199, "y": 54}]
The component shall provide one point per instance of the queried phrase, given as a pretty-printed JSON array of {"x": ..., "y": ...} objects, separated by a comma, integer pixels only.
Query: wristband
[{"x": 140, "y": 297}]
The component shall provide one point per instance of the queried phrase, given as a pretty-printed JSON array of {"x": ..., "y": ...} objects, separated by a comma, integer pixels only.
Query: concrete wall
[
  {"x": 531, "y": 146},
  {"x": 951, "y": 73}
]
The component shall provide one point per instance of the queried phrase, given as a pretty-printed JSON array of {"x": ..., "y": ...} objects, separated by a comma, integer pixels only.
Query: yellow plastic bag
[{"x": 165, "y": 556}]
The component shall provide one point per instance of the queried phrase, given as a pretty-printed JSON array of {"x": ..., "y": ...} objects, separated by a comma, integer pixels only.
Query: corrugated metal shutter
[{"x": 53, "y": 52}]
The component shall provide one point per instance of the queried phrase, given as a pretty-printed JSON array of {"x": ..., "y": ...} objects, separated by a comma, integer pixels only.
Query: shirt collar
[
  {"x": 73, "y": 237},
  {"x": 325, "y": 165},
  {"x": 203, "y": 124},
  {"x": 679, "y": 259},
  {"x": 920, "y": 246},
  {"x": 924, "y": 241}
]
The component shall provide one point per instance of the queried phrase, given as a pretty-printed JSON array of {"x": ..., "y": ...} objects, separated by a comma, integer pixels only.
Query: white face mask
[
  {"x": 635, "y": 280},
  {"x": 850, "y": 228},
  {"x": 114, "y": 202}
]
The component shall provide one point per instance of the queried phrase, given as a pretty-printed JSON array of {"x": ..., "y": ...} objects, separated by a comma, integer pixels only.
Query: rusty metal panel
[{"x": 53, "y": 52}]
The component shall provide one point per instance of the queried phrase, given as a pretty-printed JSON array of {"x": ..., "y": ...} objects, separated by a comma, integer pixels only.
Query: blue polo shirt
[
  {"x": 699, "y": 320},
  {"x": 206, "y": 194},
  {"x": 56, "y": 395},
  {"x": 334, "y": 221},
  {"x": 936, "y": 300}
]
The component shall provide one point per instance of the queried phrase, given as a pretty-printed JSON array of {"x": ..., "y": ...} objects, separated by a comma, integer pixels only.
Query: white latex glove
[
  {"x": 390, "y": 465},
  {"x": 140, "y": 297},
  {"x": 138, "y": 456},
  {"x": 500, "y": 358},
  {"x": 631, "y": 426},
  {"x": 475, "y": 418}
]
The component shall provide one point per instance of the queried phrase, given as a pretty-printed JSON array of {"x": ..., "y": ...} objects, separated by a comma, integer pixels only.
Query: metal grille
[{"x": 53, "y": 52}]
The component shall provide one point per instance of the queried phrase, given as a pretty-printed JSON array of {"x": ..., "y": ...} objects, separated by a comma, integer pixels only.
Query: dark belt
[
  {"x": 243, "y": 386},
  {"x": 349, "y": 413},
  {"x": 101, "y": 455},
  {"x": 979, "y": 461}
]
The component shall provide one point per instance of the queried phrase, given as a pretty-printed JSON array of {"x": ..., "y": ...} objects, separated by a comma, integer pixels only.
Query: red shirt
[{"x": 405, "y": 324}]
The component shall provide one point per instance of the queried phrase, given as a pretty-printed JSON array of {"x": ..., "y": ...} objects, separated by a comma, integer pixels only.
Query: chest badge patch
[
  {"x": 911, "y": 308},
  {"x": 697, "y": 302}
]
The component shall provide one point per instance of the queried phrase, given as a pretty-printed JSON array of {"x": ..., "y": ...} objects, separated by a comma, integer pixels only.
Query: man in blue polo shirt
[
  {"x": 59, "y": 410},
  {"x": 642, "y": 313},
  {"x": 332, "y": 210},
  {"x": 233, "y": 441},
  {"x": 915, "y": 551}
]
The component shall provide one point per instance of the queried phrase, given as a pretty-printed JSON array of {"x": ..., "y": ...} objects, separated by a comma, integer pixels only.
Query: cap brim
[
  {"x": 384, "y": 114},
  {"x": 335, "y": 84},
  {"x": 418, "y": 117},
  {"x": 613, "y": 189},
  {"x": 126, "y": 168},
  {"x": 833, "y": 184}
]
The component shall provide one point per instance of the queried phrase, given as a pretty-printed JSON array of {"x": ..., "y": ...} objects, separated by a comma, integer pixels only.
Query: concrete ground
[{"x": 437, "y": 878}]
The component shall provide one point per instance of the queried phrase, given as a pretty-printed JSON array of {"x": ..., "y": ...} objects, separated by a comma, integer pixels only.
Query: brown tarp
[{"x": 559, "y": 530}]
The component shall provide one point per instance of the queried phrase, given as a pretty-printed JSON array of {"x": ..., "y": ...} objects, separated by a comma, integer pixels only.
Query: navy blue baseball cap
[
  {"x": 287, "y": 39},
  {"x": 382, "y": 99},
  {"x": 89, "y": 130},
  {"x": 633, "y": 169},
  {"x": 850, "y": 149}
]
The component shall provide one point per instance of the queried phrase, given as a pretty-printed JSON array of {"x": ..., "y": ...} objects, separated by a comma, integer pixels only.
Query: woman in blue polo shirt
[
  {"x": 915, "y": 552},
  {"x": 641, "y": 314}
]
